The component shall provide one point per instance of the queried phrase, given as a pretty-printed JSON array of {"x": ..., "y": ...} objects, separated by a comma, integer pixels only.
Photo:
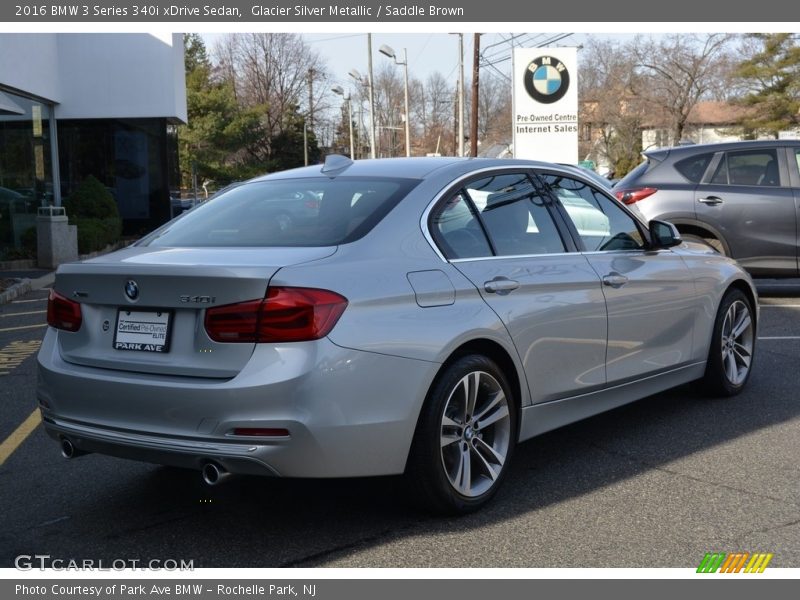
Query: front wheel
[
  {"x": 465, "y": 437},
  {"x": 730, "y": 359}
]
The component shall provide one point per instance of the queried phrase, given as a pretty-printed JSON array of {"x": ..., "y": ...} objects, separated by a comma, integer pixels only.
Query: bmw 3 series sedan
[{"x": 429, "y": 314}]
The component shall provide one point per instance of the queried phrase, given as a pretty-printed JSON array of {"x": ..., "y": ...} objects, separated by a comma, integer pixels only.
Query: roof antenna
[{"x": 335, "y": 164}]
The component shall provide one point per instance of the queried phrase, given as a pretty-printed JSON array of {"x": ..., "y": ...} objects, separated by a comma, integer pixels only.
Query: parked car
[
  {"x": 741, "y": 198},
  {"x": 432, "y": 313}
]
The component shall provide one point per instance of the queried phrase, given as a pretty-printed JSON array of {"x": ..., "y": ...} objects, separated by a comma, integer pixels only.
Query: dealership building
[{"x": 75, "y": 105}]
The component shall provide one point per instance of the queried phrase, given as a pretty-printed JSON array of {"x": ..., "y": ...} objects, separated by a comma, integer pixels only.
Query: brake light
[
  {"x": 63, "y": 313},
  {"x": 634, "y": 195},
  {"x": 287, "y": 314}
]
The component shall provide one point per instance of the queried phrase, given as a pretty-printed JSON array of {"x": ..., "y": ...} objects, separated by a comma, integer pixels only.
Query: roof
[
  {"x": 411, "y": 168},
  {"x": 705, "y": 113},
  {"x": 661, "y": 153}
]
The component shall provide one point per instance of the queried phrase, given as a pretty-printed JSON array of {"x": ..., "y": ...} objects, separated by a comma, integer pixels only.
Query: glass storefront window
[{"x": 26, "y": 181}]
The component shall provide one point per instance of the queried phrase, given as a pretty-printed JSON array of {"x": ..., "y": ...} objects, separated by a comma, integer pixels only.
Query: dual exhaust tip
[{"x": 212, "y": 473}]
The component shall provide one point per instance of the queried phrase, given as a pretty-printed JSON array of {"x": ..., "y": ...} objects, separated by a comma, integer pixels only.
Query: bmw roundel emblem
[
  {"x": 546, "y": 79},
  {"x": 131, "y": 289}
]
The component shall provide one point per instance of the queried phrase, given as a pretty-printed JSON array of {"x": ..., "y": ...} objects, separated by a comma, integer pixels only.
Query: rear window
[
  {"x": 634, "y": 175},
  {"x": 694, "y": 167},
  {"x": 289, "y": 212}
]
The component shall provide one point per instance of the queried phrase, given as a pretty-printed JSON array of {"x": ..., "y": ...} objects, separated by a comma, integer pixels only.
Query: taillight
[
  {"x": 287, "y": 314},
  {"x": 634, "y": 195},
  {"x": 63, "y": 313}
]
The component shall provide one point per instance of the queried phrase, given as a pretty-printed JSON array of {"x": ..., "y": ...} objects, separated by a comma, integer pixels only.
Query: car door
[
  {"x": 748, "y": 199},
  {"x": 499, "y": 231},
  {"x": 793, "y": 160},
  {"x": 649, "y": 294}
]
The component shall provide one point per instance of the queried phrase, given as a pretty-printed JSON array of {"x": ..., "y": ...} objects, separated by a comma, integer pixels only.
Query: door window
[
  {"x": 601, "y": 224},
  {"x": 514, "y": 215},
  {"x": 456, "y": 228},
  {"x": 748, "y": 167}
]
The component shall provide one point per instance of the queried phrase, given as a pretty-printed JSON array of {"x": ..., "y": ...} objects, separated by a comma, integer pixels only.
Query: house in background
[
  {"x": 74, "y": 105},
  {"x": 709, "y": 122}
]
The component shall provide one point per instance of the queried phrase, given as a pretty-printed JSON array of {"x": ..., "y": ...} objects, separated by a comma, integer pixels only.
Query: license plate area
[{"x": 143, "y": 330}]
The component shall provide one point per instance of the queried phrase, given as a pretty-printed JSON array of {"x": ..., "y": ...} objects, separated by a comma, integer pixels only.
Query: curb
[
  {"x": 18, "y": 289},
  {"x": 23, "y": 286}
]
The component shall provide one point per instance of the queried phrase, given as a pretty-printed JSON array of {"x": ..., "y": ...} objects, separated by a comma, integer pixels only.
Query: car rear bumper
[{"x": 349, "y": 413}]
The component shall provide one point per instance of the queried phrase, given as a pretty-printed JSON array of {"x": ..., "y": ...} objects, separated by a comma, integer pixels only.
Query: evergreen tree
[{"x": 771, "y": 80}]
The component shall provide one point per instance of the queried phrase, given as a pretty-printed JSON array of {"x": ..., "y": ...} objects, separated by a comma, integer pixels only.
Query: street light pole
[
  {"x": 388, "y": 51},
  {"x": 339, "y": 90}
]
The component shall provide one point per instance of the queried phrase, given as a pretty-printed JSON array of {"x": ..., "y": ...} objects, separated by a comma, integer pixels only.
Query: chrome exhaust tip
[
  {"x": 68, "y": 449},
  {"x": 214, "y": 475}
]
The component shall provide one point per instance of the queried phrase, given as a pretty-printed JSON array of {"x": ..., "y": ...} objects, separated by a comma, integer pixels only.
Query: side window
[
  {"x": 514, "y": 215},
  {"x": 458, "y": 231},
  {"x": 748, "y": 167},
  {"x": 601, "y": 224},
  {"x": 797, "y": 158},
  {"x": 694, "y": 167}
]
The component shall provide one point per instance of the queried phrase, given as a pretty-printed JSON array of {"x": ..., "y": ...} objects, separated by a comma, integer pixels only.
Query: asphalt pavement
[{"x": 654, "y": 484}]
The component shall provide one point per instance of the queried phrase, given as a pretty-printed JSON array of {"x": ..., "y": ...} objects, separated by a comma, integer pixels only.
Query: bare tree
[
  {"x": 275, "y": 71},
  {"x": 680, "y": 70},
  {"x": 611, "y": 114}
]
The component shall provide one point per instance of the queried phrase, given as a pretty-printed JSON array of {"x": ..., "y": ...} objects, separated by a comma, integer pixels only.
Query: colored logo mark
[
  {"x": 546, "y": 79},
  {"x": 738, "y": 562}
]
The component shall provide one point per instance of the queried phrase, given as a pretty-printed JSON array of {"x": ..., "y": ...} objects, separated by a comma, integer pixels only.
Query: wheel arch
[
  {"x": 500, "y": 355},
  {"x": 747, "y": 290},
  {"x": 702, "y": 230}
]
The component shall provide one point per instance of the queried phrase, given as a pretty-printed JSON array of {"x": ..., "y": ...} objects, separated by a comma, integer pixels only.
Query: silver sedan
[{"x": 423, "y": 317}]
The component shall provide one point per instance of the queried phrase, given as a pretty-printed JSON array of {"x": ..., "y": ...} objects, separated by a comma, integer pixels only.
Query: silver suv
[{"x": 742, "y": 198}]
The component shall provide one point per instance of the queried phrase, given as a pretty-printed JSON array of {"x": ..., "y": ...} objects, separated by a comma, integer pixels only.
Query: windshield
[{"x": 288, "y": 212}]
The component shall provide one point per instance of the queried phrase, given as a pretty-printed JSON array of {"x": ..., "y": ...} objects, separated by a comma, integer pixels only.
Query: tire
[
  {"x": 730, "y": 358},
  {"x": 711, "y": 242},
  {"x": 460, "y": 454}
]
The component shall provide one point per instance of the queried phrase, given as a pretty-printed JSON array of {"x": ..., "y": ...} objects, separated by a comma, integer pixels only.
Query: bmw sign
[
  {"x": 546, "y": 79},
  {"x": 546, "y": 104}
]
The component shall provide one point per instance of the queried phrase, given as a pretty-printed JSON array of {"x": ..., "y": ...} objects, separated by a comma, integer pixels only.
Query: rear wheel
[
  {"x": 730, "y": 359},
  {"x": 465, "y": 437}
]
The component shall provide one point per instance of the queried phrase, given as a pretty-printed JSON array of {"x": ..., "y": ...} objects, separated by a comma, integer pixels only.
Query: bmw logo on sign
[
  {"x": 131, "y": 289},
  {"x": 546, "y": 79}
]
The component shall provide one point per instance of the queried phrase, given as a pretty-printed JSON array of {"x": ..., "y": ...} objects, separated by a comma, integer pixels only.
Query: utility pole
[
  {"x": 461, "y": 94},
  {"x": 476, "y": 61},
  {"x": 374, "y": 153}
]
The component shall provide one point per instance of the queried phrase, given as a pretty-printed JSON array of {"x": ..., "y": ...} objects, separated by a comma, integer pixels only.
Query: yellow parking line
[
  {"x": 16, "y": 314},
  {"x": 13, "y": 441},
  {"x": 23, "y": 327}
]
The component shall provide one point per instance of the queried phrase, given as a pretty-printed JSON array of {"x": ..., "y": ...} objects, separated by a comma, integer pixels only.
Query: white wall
[
  {"x": 93, "y": 76},
  {"x": 29, "y": 62}
]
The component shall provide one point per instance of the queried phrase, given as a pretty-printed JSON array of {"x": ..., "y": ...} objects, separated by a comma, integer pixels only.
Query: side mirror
[{"x": 664, "y": 235}]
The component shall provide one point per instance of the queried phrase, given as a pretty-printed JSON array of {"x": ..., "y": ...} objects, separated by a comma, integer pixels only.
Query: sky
[{"x": 427, "y": 52}]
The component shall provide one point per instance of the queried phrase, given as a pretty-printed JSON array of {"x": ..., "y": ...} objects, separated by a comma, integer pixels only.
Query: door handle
[
  {"x": 710, "y": 200},
  {"x": 615, "y": 280},
  {"x": 500, "y": 285}
]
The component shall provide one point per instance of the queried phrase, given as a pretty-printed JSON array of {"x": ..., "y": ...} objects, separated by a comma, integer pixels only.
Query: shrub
[{"x": 93, "y": 209}]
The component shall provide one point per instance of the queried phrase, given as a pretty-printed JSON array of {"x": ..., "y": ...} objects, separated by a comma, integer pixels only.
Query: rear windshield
[
  {"x": 633, "y": 175},
  {"x": 289, "y": 212}
]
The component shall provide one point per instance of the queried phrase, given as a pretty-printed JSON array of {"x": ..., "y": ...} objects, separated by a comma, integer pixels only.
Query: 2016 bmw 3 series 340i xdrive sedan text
[{"x": 416, "y": 316}]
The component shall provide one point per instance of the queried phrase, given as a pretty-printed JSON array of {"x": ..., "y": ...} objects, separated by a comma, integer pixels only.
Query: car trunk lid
[{"x": 143, "y": 309}]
